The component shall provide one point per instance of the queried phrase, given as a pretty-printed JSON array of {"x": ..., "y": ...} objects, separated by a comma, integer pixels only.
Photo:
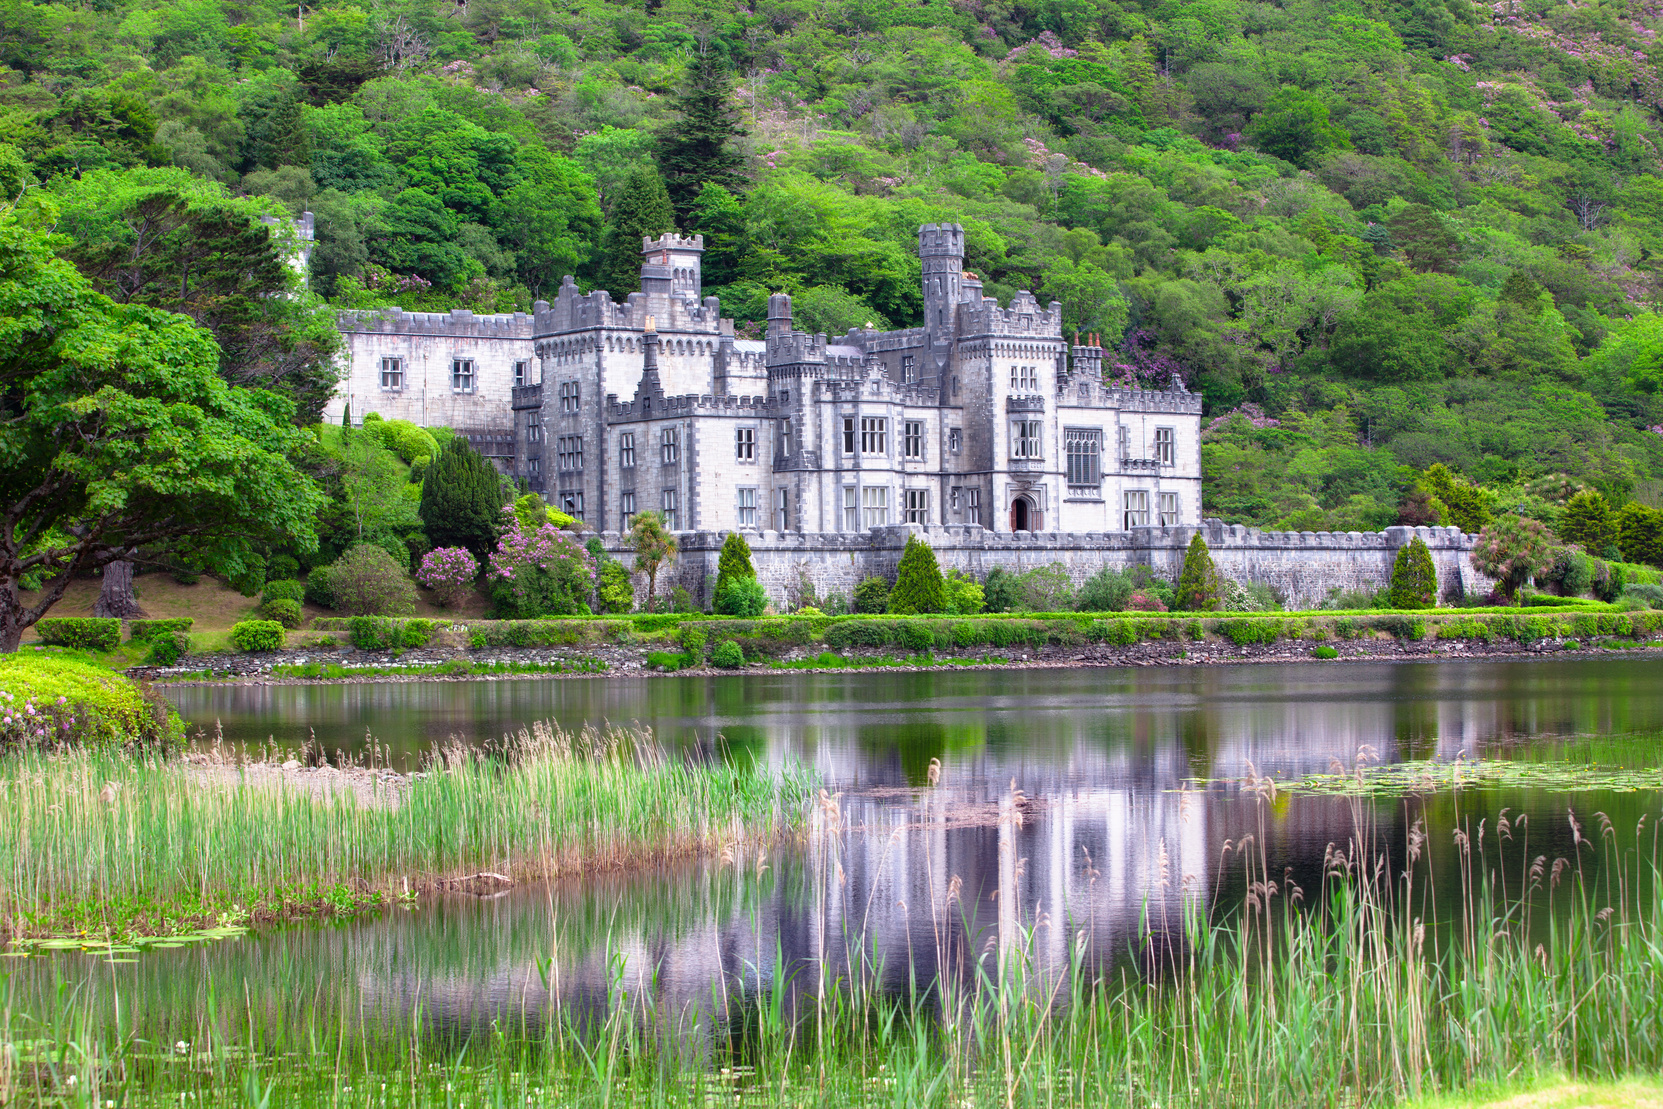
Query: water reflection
[{"x": 1115, "y": 838}]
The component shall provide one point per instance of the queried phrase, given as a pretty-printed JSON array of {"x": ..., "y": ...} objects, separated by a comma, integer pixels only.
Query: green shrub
[
  {"x": 1045, "y": 589},
  {"x": 1105, "y": 591},
  {"x": 1325, "y": 651},
  {"x": 282, "y": 568},
  {"x": 728, "y": 655},
  {"x": 919, "y": 587},
  {"x": 693, "y": 641},
  {"x": 872, "y": 596},
  {"x": 1120, "y": 632},
  {"x": 915, "y": 636},
  {"x": 741, "y": 596},
  {"x": 77, "y": 702},
  {"x": 1242, "y": 632},
  {"x": 1414, "y": 578},
  {"x": 734, "y": 564},
  {"x": 616, "y": 592},
  {"x": 1199, "y": 585},
  {"x": 141, "y": 630},
  {"x": 378, "y": 633},
  {"x": 257, "y": 635},
  {"x": 1404, "y": 627},
  {"x": 367, "y": 581},
  {"x": 284, "y": 611},
  {"x": 1652, "y": 595},
  {"x": 166, "y": 649},
  {"x": 286, "y": 590},
  {"x": 1465, "y": 627},
  {"x": 319, "y": 591},
  {"x": 1347, "y": 627},
  {"x": 84, "y": 633},
  {"x": 1000, "y": 593}
]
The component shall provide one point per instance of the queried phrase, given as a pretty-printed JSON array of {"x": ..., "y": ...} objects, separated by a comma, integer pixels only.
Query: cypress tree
[
  {"x": 735, "y": 561},
  {"x": 1414, "y": 578},
  {"x": 698, "y": 148},
  {"x": 462, "y": 499},
  {"x": 918, "y": 584},
  {"x": 1589, "y": 522},
  {"x": 642, "y": 211},
  {"x": 1198, "y": 583}
]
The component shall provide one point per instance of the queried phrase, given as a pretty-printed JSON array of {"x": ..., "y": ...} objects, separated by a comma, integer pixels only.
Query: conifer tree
[
  {"x": 1198, "y": 583},
  {"x": 462, "y": 499},
  {"x": 1588, "y": 521},
  {"x": 734, "y": 562},
  {"x": 698, "y": 148},
  {"x": 1414, "y": 578},
  {"x": 918, "y": 584},
  {"x": 642, "y": 211}
]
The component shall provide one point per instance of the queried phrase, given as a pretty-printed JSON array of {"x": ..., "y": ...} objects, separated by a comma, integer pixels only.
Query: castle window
[
  {"x": 909, "y": 370},
  {"x": 874, "y": 435},
  {"x": 533, "y": 428},
  {"x": 569, "y": 452},
  {"x": 1025, "y": 379},
  {"x": 626, "y": 451},
  {"x": 912, "y": 443},
  {"x": 522, "y": 373},
  {"x": 571, "y": 503},
  {"x": 782, "y": 508},
  {"x": 918, "y": 506},
  {"x": 1137, "y": 508},
  {"x": 848, "y": 435},
  {"x": 534, "y": 466},
  {"x": 954, "y": 497},
  {"x": 785, "y": 438},
  {"x": 851, "y": 509},
  {"x": 955, "y": 385},
  {"x": 1166, "y": 446},
  {"x": 1169, "y": 510},
  {"x": 955, "y": 439},
  {"x": 669, "y": 502},
  {"x": 973, "y": 506},
  {"x": 568, "y": 396},
  {"x": 874, "y": 501},
  {"x": 745, "y": 501},
  {"x": 462, "y": 379},
  {"x": 1025, "y": 439},
  {"x": 626, "y": 505},
  {"x": 669, "y": 446},
  {"x": 392, "y": 374},
  {"x": 1084, "y": 447},
  {"x": 744, "y": 444}
]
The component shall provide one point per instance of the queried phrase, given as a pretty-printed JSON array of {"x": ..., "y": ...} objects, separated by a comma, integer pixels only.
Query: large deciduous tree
[{"x": 117, "y": 434}]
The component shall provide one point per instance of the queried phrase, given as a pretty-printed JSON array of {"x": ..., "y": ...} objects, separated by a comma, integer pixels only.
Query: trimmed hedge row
[
  {"x": 84, "y": 633},
  {"x": 142, "y": 631}
]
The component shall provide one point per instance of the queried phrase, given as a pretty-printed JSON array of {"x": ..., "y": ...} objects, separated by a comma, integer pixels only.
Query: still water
[{"x": 1135, "y": 801}]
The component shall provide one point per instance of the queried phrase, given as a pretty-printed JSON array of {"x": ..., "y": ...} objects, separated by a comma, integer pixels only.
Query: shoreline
[{"x": 1092, "y": 656}]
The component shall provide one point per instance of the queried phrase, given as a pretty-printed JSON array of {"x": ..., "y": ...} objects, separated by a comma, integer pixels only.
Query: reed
[
  {"x": 1352, "y": 993},
  {"x": 102, "y": 841}
]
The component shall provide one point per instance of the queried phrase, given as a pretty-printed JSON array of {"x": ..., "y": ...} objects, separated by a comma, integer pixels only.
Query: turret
[
  {"x": 941, "y": 250},
  {"x": 779, "y": 315},
  {"x": 677, "y": 259}
]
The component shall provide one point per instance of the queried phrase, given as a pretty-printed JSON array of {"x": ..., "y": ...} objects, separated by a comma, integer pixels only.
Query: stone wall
[{"x": 1302, "y": 567}]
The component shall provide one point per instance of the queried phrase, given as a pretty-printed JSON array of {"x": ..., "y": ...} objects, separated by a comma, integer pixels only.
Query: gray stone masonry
[{"x": 1302, "y": 567}]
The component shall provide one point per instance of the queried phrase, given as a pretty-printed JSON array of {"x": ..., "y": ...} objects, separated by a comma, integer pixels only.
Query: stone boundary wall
[{"x": 1302, "y": 567}]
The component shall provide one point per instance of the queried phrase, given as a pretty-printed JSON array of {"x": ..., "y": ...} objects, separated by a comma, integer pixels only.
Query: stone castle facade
[{"x": 984, "y": 417}]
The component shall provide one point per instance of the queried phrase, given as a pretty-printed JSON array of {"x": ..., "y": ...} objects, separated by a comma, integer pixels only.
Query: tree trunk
[{"x": 115, "y": 595}]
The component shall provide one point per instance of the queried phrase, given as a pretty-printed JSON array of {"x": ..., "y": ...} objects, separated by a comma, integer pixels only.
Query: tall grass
[
  {"x": 1353, "y": 993},
  {"x": 107, "y": 836}
]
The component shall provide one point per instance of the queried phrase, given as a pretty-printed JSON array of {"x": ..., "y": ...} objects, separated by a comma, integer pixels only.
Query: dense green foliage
[
  {"x": 733, "y": 566},
  {"x": 53, "y": 701},
  {"x": 1199, "y": 584},
  {"x": 1414, "y": 578},
  {"x": 741, "y": 596},
  {"x": 871, "y": 595},
  {"x": 919, "y": 587},
  {"x": 461, "y": 500},
  {"x": 257, "y": 635},
  {"x": 85, "y": 633},
  {"x": 367, "y": 581}
]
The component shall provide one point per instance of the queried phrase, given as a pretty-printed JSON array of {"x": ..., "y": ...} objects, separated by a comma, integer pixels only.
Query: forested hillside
[{"x": 1376, "y": 236}]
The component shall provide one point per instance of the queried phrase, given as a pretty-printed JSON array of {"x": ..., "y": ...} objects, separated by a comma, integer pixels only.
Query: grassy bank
[
  {"x": 1347, "y": 994},
  {"x": 103, "y": 843}
]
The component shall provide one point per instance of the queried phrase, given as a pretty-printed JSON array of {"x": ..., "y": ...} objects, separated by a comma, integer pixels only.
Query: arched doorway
[{"x": 1022, "y": 514}]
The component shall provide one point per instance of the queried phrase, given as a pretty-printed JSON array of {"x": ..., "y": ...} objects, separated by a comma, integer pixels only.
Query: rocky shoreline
[{"x": 254, "y": 669}]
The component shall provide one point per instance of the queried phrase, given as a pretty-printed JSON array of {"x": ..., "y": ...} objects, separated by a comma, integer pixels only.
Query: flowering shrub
[
  {"x": 47, "y": 702},
  {"x": 540, "y": 571},
  {"x": 448, "y": 571}
]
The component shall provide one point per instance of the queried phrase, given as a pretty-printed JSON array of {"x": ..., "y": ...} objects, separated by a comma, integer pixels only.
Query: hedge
[
  {"x": 381, "y": 633},
  {"x": 143, "y": 630},
  {"x": 85, "y": 633}
]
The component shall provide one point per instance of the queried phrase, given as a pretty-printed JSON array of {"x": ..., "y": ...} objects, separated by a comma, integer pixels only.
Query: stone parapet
[{"x": 457, "y": 322}]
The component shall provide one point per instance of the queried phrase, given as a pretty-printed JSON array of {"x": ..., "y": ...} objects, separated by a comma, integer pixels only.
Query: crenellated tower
[{"x": 941, "y": 250}]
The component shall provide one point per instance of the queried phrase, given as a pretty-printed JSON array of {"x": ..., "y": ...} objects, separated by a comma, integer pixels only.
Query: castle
[{"x": 984, "y": 417}]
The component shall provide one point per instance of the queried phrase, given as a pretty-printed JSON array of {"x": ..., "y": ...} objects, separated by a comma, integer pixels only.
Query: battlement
[
  {"x": 673, "y": 242},
  {"x": 1024, "y": 318},
  {"x": 1173, "y": 401},
  {"x": 941, "y": 239},
  {"x": 686, "y": 404},
  {"x": 679, "y": 310},
  {"x": 458, "y": 322}
]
